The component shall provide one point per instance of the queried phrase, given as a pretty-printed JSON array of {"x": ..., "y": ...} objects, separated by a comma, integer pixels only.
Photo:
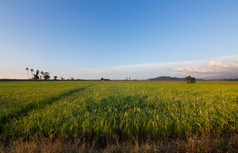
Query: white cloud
[{"x": 222, "y": 68}]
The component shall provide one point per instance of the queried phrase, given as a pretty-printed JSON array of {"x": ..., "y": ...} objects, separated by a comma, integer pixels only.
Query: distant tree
[
  {"x": 46, "y": 75},
  {"x": 42, "y": 73},
  {"x": 193, "y": 80},
  {"x": 190, "y": 79},
  {"x": 55, "y": 77},
  {"x": 32, "y": 70},
  {"x": 36, "y": 76},
  {"x": 27, "y": 72},
  {"x": 101, "y": 78},
  {"x": 62, "y": 78},
  {"x": 72, "y": 78}
]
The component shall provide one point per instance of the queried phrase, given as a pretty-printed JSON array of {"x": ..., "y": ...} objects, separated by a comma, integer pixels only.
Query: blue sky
[{"x": 119, "y": 38}]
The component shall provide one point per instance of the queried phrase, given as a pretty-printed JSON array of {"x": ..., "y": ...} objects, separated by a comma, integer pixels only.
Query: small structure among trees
[{"x": 190, "y": 79}]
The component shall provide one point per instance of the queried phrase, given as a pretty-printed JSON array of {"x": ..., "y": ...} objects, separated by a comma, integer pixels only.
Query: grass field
[{"x": 109, "y": 113}]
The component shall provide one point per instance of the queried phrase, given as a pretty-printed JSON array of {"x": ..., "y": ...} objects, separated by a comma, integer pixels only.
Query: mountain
[{"x": 166, "y": 78}]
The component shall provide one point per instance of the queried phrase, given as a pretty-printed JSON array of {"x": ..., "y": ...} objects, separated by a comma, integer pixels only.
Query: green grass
[
  {"x": 19, "y": 98},
  {"x": 117, "y": 110}
]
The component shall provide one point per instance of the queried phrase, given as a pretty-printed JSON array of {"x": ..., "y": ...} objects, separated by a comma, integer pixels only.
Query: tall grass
[{"x": 112, "y": 111}]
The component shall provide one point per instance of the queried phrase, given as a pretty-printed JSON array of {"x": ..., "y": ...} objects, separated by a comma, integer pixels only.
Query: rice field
[{"x": 106, "y": 112}]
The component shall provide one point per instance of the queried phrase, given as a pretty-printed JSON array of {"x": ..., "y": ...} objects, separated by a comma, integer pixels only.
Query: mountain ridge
[{"x": 169, "y": 78}]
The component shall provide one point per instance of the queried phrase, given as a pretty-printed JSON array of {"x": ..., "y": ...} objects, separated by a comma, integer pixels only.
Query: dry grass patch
[{"x": 221, "y": 143}]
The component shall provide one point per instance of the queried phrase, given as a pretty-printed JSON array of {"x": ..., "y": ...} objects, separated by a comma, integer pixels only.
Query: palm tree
[
  {"x": 32, "y": 70},
  {"x": 42, "y": 73},
  {"x": 27, "y": 72}
]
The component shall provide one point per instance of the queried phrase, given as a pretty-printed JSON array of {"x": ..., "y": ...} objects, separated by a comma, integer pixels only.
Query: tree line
[{"x": 39, "y": 75}]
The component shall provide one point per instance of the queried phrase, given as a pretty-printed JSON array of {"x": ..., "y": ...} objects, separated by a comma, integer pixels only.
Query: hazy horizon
[{"x": 119, "y": 39}]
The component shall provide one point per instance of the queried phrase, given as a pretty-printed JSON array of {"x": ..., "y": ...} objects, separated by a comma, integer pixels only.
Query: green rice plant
[
  {"x": 108, "y": 111},
  {"x": 19, "y": 98}
]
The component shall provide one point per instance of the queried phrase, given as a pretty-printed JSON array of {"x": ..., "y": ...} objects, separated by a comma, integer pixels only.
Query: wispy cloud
[
  {"x": 211, "y": 67},
  {"x": 201, "y": 69},
  {"x": 225, "y": 67},
  {"x": 147, "y": 66},
  {"x": 135, "y": 71}
]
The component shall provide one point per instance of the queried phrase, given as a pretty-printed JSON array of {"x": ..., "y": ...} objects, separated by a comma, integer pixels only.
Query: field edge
[{"x": 208, "y": 143}]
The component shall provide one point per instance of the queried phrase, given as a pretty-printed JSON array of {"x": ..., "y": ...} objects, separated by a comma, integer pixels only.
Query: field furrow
[{"x": 13, "y": 108}]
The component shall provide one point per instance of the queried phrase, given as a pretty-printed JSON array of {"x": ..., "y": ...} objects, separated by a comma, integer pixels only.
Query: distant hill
[
  {"x": 230, "y": 79},
  {"x": 168, "y": 78}
]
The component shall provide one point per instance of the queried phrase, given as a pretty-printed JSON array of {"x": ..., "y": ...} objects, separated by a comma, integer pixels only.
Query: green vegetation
[
  {"x": 117, "y": 111},
  {"x": 190, "y": 79},
  {"x": 19, "y": 98}
]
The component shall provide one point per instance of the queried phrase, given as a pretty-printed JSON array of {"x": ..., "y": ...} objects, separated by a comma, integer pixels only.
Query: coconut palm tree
[
  {"x": 27, "y": 72},
  {"x": 36, "y": 76},
  {"x": 32, "y": 70}
]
